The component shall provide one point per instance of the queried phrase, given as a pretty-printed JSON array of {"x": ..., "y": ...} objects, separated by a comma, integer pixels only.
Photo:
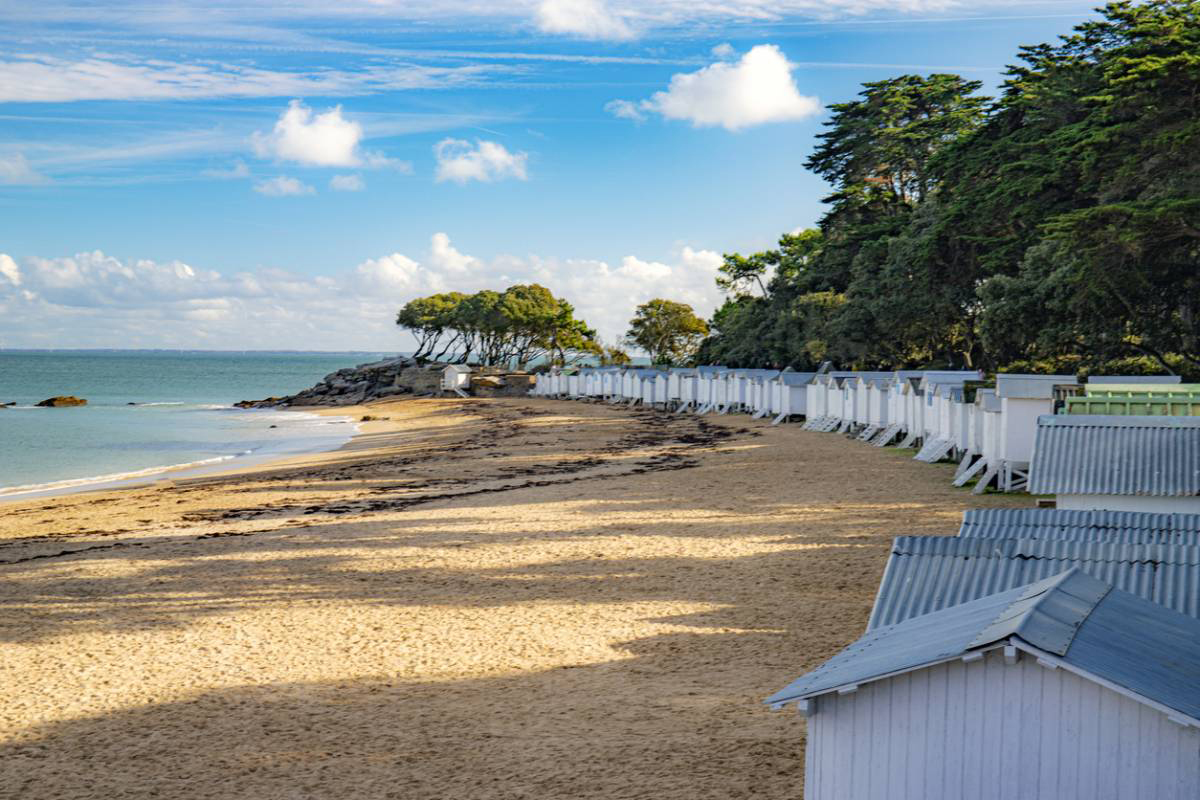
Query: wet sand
[{"x": 474, "y": 599}]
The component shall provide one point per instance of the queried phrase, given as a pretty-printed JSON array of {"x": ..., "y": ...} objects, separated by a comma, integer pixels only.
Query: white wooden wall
[{"x": 989, "y": 731}]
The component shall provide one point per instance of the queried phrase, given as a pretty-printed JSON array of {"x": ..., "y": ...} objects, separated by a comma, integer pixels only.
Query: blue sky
[{"x": 254, "y": 175}]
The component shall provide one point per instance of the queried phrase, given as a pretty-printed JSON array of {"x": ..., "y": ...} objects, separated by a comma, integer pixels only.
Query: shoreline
[{"x": 226, "y": 465}]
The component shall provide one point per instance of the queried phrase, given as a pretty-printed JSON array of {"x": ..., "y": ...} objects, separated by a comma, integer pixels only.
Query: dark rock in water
[
  {"x": 131, "y": 404},
  {"x": 272, "y": 426},
  {"x": 62, "y": 401}
]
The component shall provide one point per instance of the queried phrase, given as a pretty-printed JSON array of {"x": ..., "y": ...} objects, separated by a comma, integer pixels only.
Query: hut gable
[{"x": 1088, "y": 626}]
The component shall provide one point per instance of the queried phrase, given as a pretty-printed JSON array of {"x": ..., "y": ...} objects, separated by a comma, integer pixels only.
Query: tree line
[{"x": 1056, "y": 227}]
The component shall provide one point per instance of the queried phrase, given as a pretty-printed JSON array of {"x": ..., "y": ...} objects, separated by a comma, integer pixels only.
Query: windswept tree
[
  {"x": 669, "y": 332},
  {"x": 523, "y": 324}
]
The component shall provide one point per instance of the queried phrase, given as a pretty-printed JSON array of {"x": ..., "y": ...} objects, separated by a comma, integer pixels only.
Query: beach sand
[{"x": 474, "y": 599}]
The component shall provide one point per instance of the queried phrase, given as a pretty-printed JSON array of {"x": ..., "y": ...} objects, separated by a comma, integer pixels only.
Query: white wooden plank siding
[{"x": 996, "y": 732}]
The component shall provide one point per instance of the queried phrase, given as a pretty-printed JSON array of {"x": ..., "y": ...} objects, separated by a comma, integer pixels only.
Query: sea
[{"x": 154, "y": 412}]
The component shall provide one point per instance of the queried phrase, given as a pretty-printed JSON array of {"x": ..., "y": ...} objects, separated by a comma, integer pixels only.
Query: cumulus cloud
[
  {"x": 590, "y": 19},
  {"x": 320, "y": 140},
  {"x": 754, "y": 90},
  {"x": 95, "y": 300},
  {"x": 283, "y": 186},
  {"x": 443, "y": 257},
  {"x": 15, "y": 170},
  {"x": 347, "y": 183},
  {"x": 9, "y": 271},
  {"x": 625, "y": 109},
  {"x": 461, "y": 162}
]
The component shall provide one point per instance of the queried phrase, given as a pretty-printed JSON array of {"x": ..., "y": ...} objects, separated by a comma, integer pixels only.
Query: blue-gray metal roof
[
  {"x": 1129, "y": 527},
  {"x": 1123, "y": 455},
  {"x": 1156, "y": 379},
  {"x": 1147, "y": 649},
  {"x": 928, "y": 573},
  {"x": 797, "y": 378},
  {"x": 1035, "y": 387}
]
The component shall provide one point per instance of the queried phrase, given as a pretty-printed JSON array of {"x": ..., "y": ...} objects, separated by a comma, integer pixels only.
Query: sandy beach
[{"x": 473, "y": 599}]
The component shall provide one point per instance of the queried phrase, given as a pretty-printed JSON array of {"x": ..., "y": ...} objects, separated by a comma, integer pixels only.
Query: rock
[{"x": 62, "y": 401}]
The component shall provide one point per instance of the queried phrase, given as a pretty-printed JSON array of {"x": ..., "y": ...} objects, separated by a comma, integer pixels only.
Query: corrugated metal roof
[
  {"x": 1145, "y": 648},
  {"x": 1130, "y": 527},
  {"x": 928, "y": 573},
  {"x": 1083, "y": 454}
]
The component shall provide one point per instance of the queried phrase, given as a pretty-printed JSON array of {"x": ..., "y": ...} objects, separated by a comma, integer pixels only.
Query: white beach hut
[
  {"x": 1023, "y": 398},
  {"x": 456, "y": 378},
  {"x": 1121, "y": 463},
  {"x": 789, "y": 395},
  {"x": 1065, "y": 688}
]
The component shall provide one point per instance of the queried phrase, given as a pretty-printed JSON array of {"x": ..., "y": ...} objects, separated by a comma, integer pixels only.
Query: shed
[
  {"x": 456, "y": 378},
  {"x": 790, "y": 392},
  {"x": 1065, "y": 688},
  {"x": 1023, "y": 398},
  {"x": 1123, "y": 463}
]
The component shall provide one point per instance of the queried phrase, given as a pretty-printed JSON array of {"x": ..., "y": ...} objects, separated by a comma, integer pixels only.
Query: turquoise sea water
[{"x": 182, "y": 412}]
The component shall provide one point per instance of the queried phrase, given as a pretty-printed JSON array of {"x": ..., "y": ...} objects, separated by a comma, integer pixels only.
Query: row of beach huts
[{"x": 1049, "y": 652}]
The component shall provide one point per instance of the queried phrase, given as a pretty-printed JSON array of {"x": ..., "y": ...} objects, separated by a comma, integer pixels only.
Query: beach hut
[
  {"x": 790, "y": 394},
  {"x": 1023, "y": 398},
  {"x": 1118, "y": 527},
  {"x": 928, "y": 573},
  {"x": 456, "y": 378},
  {"x": 1122, "y": 463},
  {"x": 1063, "y": 689}
]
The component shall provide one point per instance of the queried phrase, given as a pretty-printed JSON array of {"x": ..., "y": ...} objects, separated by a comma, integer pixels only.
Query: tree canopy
[
  {"x": 1057, "y": 226},
  {"x": 520, "y": 325},
  {"x": 668, "y": 331}
]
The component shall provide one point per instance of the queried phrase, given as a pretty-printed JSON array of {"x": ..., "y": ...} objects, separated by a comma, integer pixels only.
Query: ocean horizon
[{"x": 151, "y": 411}]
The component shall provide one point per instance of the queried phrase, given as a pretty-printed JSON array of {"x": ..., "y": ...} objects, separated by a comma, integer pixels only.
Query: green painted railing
[{"x": 1173, "y": 404}]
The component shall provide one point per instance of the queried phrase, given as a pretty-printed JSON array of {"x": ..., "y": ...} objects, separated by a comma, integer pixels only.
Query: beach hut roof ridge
[{"x": 1101, "y": 632}]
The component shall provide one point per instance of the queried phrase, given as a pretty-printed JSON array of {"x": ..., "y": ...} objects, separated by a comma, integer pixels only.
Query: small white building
[
  {"x": 1120, "y": 463},
  {"x": 456, "y": 378},
  {"x": 1064, "y": 689}
]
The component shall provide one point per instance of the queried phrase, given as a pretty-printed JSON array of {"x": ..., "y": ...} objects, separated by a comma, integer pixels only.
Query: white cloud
[
  {"x": 724, "y": 51},
  {"x": 443, "y": 257},
  {"x": 14, "y": 169},
  {"x": 590, "y": 19},
  {"x": 487, "y": 161},
  {"x": 754, "y": 90},
  {"x": 44, "y": 78},
  {"x": 321, "y": 140},
  {"x": 347, "y": 183},
  {"x": 283, "y": 186},
  {"x": 9, "y": 270},
  {"x": 95, "y": 300}
]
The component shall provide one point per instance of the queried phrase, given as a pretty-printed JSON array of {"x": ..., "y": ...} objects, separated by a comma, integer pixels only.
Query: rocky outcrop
[
  {"x": 360, "y": 384},
  {"x": 62, "y": 401}
]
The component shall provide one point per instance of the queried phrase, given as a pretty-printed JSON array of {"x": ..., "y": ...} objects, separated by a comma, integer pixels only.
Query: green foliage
[
  {"x": 668, "y": 331},
  {"x": 522, "y": 324},
  {"x": 1059, "y": 224}
]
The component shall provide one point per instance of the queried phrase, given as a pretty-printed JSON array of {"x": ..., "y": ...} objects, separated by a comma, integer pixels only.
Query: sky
[{"x": 285, "y": 175}]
